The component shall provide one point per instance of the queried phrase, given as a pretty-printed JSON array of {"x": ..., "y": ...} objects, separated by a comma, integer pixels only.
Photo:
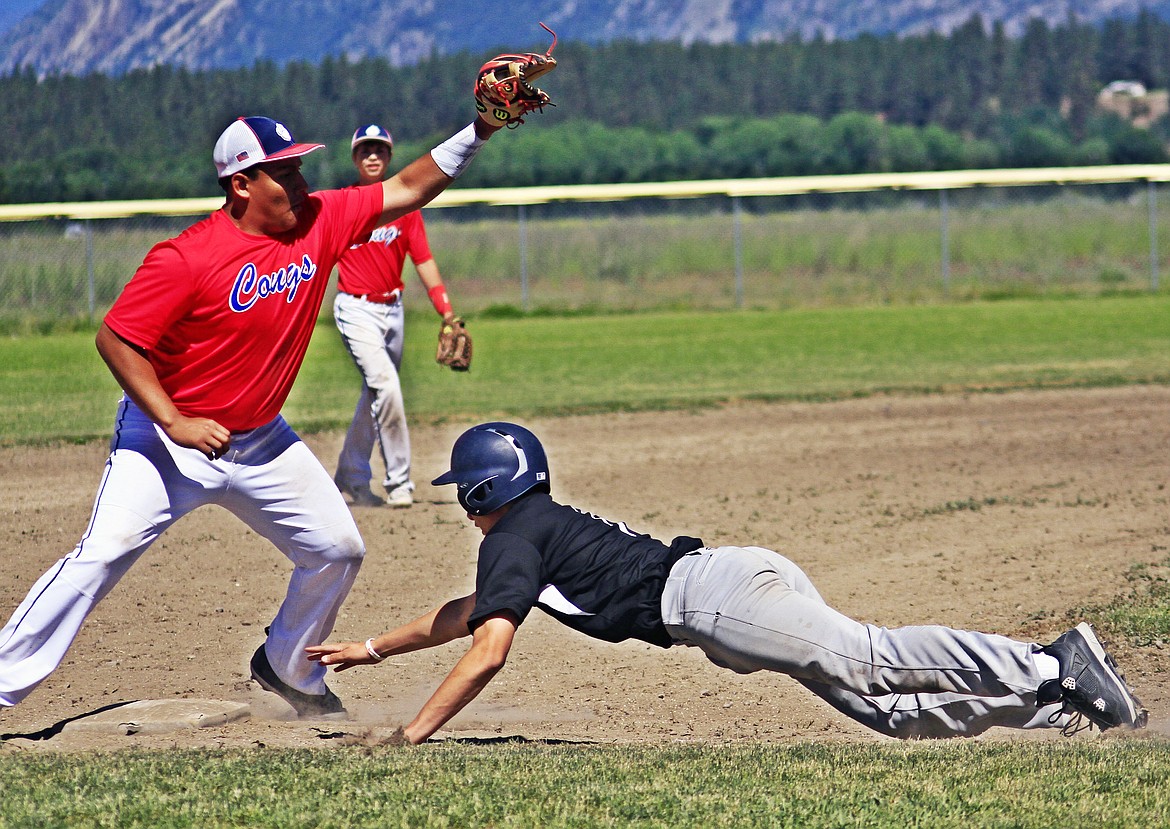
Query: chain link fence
[
  {"x": 54, "y": 270},
  {"x": 712, "y": 252}
]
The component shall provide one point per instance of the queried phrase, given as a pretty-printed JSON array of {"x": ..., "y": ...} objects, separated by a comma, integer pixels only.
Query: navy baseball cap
[
  {"x": 370, "y": 132},
  {"x": 252, "y": 140}
]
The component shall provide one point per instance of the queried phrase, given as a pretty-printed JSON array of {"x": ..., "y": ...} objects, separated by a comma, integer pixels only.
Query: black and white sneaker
[
  {"x": 1090, "y": 683},
  {"x": 325, "y": 706}
]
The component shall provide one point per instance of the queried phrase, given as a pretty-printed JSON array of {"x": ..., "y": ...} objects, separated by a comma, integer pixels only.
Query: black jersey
[{"x": 595, "y": 576}]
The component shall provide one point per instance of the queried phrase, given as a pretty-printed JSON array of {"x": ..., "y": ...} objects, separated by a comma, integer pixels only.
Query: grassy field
[
  {"x": 532, "y": 785},
  {"x": 55, "y": 387}
]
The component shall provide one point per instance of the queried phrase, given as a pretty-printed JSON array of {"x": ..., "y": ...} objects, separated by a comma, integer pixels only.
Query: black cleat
[
  {"x": 325, "y": 706},
  {"x": 1089, "y": 682}
]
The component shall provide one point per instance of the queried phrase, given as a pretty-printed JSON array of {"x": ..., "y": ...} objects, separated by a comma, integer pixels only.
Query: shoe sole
[
  {"x": 337, "y": 716},
  {"x": 1136, "y": 718}
]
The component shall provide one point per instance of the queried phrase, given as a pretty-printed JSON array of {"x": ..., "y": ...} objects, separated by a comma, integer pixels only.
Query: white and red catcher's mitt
[{"x": 504, "y": 93}]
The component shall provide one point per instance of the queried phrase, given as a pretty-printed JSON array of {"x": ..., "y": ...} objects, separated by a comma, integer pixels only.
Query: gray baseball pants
[
  {"x": 751, "y": 609},
  {"x": 373, "y": 335}
]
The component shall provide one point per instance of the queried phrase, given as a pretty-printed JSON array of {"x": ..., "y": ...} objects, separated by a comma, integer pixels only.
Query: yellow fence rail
[{"x": 733, "y": 188}]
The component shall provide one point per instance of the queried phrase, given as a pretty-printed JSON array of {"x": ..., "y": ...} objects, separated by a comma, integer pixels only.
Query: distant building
[
  {"x": 1134, "y": 89},
  {"x": 1133, "y": 102}
]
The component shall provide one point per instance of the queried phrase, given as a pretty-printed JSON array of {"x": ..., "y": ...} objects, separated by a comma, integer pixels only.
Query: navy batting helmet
[{"x": 493, "y": 464}]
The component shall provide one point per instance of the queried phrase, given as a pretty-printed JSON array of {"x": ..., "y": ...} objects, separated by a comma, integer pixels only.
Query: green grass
[
  {"x": 56, "y": 387},
  {"x": 1142, "y": 612},
  {"x": 536, "y": 785}
]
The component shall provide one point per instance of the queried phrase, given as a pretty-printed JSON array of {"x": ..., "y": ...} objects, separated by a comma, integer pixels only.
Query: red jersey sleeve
[{"x": 415, "y": 232}]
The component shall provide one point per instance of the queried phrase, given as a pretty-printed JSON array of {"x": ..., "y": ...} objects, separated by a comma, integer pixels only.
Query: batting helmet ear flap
[{"x": 477, "y": 496}]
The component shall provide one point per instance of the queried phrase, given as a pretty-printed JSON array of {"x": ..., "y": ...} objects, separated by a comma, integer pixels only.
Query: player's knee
[
  {"x": 385, "y": 387},
  {"x": 342, "y": 545},
  {"x": 349, "y": 546}
]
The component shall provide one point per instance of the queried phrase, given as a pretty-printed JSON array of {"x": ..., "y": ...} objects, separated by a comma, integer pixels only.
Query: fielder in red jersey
[
  {"x": 370, "y": 318},
  {"x": 205, "y": 341}
]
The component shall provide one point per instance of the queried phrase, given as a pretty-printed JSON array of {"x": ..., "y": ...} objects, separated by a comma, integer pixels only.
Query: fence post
[
  {"x": 738, "y": 233},
  {"x": 522, "y": 221},
  {"x": 945, "y": 232},
  {"x": 1152, "y": 190},
  {"x": 89, "y": 266}
]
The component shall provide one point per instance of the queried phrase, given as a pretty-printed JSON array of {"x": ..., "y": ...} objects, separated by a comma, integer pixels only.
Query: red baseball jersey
[
  {"x": 375, "y": 267},
  {"x": 225, "y": 316}
]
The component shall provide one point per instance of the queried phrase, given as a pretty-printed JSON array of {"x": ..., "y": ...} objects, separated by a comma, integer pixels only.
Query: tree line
[{"x": 624, "y": 111}]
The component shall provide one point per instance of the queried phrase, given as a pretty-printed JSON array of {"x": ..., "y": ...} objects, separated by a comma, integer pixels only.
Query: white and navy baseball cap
[
  {"x": 370, "y": 132},
  {"x": 252, "y": 140}
]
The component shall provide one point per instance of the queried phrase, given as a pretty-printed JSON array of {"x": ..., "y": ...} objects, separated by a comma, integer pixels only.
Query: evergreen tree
[{"x": 626, "y": 111}]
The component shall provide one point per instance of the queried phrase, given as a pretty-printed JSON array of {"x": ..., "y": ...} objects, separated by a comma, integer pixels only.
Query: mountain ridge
[{"x": 114, "y": 36}]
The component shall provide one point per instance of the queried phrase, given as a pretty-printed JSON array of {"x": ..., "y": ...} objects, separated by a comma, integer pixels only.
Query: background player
[
  {"x": 746, "y": 608},
  {"x": 205, "y": 340},
  {"x": 369, "y": 314}
]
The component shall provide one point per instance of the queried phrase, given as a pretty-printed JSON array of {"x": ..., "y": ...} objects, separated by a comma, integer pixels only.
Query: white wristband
[
  {"x": 454, "y": 154},
  {"x": 370, "y": 650}
]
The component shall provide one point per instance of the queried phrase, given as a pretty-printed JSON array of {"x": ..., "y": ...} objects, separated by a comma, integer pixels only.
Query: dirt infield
[{"x": 994, "y": 512}]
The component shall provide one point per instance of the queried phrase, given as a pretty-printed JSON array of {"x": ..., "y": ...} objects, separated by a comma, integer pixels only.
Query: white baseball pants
[
  {"x": 751, "y": 609},
  {"x": 268, "y": 478},
  {"x": 373, "y": 335}
]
